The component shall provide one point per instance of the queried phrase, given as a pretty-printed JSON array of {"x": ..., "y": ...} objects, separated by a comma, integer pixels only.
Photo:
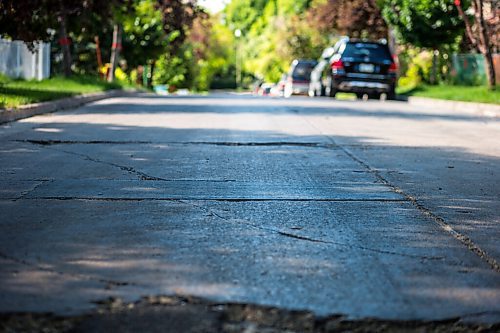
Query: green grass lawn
[
  {"x": 14, "y": 93},
  {"x": 479, "y": 94}
]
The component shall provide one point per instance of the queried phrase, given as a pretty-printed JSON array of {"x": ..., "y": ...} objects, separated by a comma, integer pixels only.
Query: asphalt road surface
[{"x": 364, "y": 209}]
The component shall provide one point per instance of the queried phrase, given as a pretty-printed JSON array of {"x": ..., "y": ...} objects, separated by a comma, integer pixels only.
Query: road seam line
[
  {"x": 67, "y": 198},
  {"x": 427, "y": 212},
  {"x": 208, "y": 143},
  {"x": 465, "y": 240},
  {"x": 304, "y": 238}
]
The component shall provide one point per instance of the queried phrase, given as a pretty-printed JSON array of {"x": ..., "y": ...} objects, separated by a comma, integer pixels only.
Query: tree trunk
[
  {"x": 468, "y": 29},
  {"x": 65, "y": 42},
  {"x": 151, "y": 73},
  {"x": 434, "y": 69},
  {"x": 485, "y": 45},
  {"x": 490, "y": 70},
  {"x": 98, "y": 55},
  {"x": 115, "y": 51}
]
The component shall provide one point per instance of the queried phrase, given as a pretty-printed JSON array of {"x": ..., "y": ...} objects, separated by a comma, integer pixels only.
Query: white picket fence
[{"x": 17, "y": 61}]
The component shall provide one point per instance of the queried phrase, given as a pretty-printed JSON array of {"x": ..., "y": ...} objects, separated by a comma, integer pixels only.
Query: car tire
[
  {"x": 323, "y": 91},
  {"x": 332, "y": 92},
  {"x": 391, "y": 95},
  {"x": 359, "y": 95},
  {"x": 287, "y": 93}
]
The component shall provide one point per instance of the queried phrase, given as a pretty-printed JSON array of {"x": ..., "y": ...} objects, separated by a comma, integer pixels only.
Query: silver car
[{"x": 299, "y": 77}]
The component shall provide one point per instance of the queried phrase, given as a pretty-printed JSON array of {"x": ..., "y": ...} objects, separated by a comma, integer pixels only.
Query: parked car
[
  {"x": 299, "y": 77},
  {"x": 256, "y": 86},
  {"x": 279, "y": 90},
  {"x": 316, "y": 86},
  {"x": 265, "y": 89},
  {"x": 357, "y": 66}
]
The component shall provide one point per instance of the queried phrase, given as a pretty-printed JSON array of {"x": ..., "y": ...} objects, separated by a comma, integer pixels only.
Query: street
[{"x": 364, "y": 209}]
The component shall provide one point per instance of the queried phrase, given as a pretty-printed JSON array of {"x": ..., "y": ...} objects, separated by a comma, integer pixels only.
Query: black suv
[{"x": 357, "y": 66}]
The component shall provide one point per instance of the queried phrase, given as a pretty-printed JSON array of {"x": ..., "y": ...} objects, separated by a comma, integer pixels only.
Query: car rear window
[
  {"x": 302, "y": 71},
  {"x": 371, "y": 50}
]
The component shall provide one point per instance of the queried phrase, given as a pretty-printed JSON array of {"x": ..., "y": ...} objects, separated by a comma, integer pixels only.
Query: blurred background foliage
[{"x": 179, "y": 44}]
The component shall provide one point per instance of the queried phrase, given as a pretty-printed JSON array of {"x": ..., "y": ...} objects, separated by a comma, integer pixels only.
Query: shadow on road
[
  {"x": 230, "y": 104},
  {"x": 62, "y": 245}
]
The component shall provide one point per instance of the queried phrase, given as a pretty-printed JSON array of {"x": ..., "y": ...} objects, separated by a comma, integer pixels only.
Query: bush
[
  {"x": 418, "y": 68},
  {"x": 171, "y": 70}
]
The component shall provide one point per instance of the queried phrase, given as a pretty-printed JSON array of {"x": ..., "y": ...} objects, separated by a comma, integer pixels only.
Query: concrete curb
[
  {"x": 483, "y": 109},
  {"x": 29, "y": 110}
]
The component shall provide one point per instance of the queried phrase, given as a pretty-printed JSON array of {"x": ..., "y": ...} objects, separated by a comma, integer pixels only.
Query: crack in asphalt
[
  {"x": 208, "y": 143},
  {"x": 305, "y": 238},
  {"x": 263, "y": 144},
  {"x": 27, "y": 192},
  {"x": 131, "y": 170},
  {"x": 469, "y": 243},
  {"x": 142, "y": 176},
  {"x": 38, "y": 267},
  {"x": 111, "y": 199},
  {"x": 76, "y": 142},
  {"x": 465, "y": 240}
]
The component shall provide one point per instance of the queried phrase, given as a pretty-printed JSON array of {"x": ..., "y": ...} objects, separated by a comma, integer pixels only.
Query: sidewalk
[{"x": 483, "y": 109}]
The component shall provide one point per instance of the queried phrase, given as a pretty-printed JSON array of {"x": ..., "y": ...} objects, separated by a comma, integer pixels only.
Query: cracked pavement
[{"x": 359, "y": 209}]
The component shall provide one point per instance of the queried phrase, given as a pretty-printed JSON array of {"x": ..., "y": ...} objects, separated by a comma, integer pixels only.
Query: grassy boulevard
[
  {"x": 14, "y": 93},
  {"x": 478, "y": 94}
]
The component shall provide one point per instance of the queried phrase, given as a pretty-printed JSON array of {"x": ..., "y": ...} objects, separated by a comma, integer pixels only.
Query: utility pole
[
  {"x": 237, "y": 34},
  {"x": 98, "y": 55},
  {"x": 115, "y": 51},
  {"x": 64, "y": 40}
]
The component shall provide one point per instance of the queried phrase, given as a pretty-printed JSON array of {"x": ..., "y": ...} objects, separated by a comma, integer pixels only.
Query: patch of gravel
[{"x": 193, "y": 315}]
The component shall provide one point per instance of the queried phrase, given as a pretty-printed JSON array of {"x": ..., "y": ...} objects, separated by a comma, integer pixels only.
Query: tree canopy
[
  {"x": 185, "y": 46},
  {"x": 424, "y": 23}
]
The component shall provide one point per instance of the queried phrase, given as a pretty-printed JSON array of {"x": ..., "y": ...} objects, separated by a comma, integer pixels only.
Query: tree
[
  {"x": 142, "y": 34},
  {"x": 26, "y": 20},
  {"x": 479, "y": 35},
  {"x": 353, "y": 18},
  {"x": 178, "y": 16},
  {"x": 37, "y": 20},
  {"x": 242, "y": 14},
  {"x": 274, "y": 32},
  {"x": 424, "y": 23}
]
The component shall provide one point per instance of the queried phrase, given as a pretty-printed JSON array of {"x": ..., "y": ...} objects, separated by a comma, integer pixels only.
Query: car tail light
[
  {"x": 337, "y": 64},
  {"x": 393, "y": 68}
]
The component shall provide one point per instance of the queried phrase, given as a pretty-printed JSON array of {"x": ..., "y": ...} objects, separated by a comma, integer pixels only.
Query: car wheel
[
  {"x": 323, "y": 91},
  {"x": 391, "y": 95},
  {"x": 312, "y": 93},
  {"x": 287, "y": 93},
  {"x": 359, "y": 95},
  {"x": 332, "y": 91}
]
